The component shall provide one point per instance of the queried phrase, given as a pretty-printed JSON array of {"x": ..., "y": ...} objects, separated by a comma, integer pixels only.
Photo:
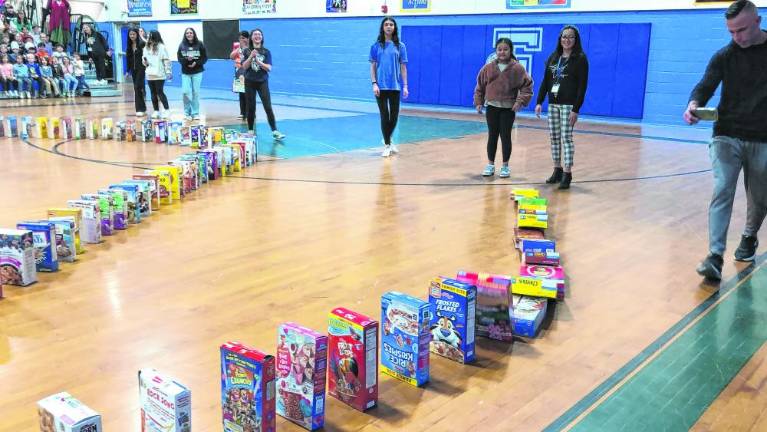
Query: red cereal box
[
  {"x": 353, "y": 358},
  {"x": 247, "y": 389}
]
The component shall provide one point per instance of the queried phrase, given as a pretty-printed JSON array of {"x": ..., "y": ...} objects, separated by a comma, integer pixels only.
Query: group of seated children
[{"x": 36, "y": 74}]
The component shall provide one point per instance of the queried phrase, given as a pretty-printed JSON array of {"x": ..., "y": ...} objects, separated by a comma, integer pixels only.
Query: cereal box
[
  {"x": 174, "y": 132},
  {"x": 453, "y": 314},
  {"x": 77, "y": 215},
  {"x": 553, "y": 277},
  {"x": 106, "y": 211},
  {"x": 130, "y": 131},
  {"x": 160, "y": 128},
  {"x": 90, "y": 229},
  {"x": 143, "y": 196},
  {"x": 215, "y": 135},
  {"x": 405, "y": 337},
  {"x": 27, "y": 124},
  {"x": 92, "y": 128},
  {"x": 532, "y": 286},
  {"x": 493, "y": 304},
  {"x": 119, "y": 207},
  {"x": 165, "y": 182},
  {"x": 41, "y": 127},
  {"x": 107, "y": 128},
  {"x": 63, "y": 413},
  {"x": 520, "y": 193},
  {"x": 528, "y": 314},
  {"x": 166, "y": 405},
  {"x": 13, "y": 127},
  {"x": 2, "y": 126},
  {"x": 301, "y": 361},
  {"x": 197, "y": 136},
  {"x": 175, "y": 179},
  {"x": 154, "y": 190},
  {"x": 17, "y": 257},
  {"x": 213, "y": 162},
  {"x": 131, "y": 197},
  {"x": 66, "y": 128},
  {"x": 146, "y": 131},
  {"x": 44, "y": 240},
  {"x": 526, "y": 233},
  {"x": 65, "y": 238},
  {"x": 353, "y": 358},
  {"x": 247, "y": 389},
  {"x": 542, "y": 257},
  {"x": 53, "y": 128},
  {"x": 532, "y": 221},
  {"x": 186, "y": 136},
  {"x": 80, "y": 126}
]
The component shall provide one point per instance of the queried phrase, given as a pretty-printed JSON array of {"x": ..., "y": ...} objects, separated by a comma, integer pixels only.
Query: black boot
[
  {"x": 566, "y": 179},
  {"x": 556, "y": 177}
]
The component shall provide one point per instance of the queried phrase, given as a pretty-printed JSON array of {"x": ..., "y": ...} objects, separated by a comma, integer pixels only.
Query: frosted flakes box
[
  {"x": 17, "y": 257},
  {"x": 63, "y": 413},
  {"x": 552, "y": 277},
  {"x": 90, "y": 230},
  {"x": 453, "y": 314},
  {"x": 247, "y": 389},
  {"x": 65, "y": 237},
  {"x": 77, "y": 215},
  {"x": 166, "y": 404},
  {"x": 44, "y": 240},
  {"x": 353, "y": 358},
  {"x": 494, "y": 307},
  {"x": 300, "y": 362},
  {"x": 405, "y": 337},
  {"x": 528, "y": 314}
]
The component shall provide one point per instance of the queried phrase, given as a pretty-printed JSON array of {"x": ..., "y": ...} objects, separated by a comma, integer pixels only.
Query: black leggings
[
  {"x": 499, "y": 122},
  {"x": 139, "y": 90},
  {"x": 243, "y": 105},
  {"x": 262, "y": 87},
  {"x": 98, "y": 61},
  {"x": 388, "y": 106},
  {"x": 156, "y": 90}
]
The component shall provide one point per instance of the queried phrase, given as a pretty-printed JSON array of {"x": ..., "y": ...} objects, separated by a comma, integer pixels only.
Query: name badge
[{"x": 555, "y": 88}]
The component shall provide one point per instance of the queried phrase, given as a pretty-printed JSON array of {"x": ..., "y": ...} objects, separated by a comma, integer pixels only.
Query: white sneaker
[
  {"x": 156, "y": 115},
  {"x": 195, "y": 117},
  {"x": 188, "y": 118},
  {"x": 394, "y": 148},
  {"x": 278, "y": 135},
  {"x": 164, "y": 114},
  {"x": 386, "y": 151},
  {"x": 489, "y": 170},
  {"x": 139, "y": 114}
]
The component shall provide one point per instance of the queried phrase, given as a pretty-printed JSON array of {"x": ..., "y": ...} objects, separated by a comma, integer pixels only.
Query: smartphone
[{"x": 705, "y": 113}]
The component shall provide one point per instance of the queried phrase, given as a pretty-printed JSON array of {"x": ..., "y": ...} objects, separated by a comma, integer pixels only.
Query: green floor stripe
[{"x": 672, "y": 391}]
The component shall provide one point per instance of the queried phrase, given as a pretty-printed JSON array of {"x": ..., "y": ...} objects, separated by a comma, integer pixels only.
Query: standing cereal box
[
  {"x": 63, "y": 413},
  {"x": 77, "y": 215},
  {"x": 166, "y": 405},
  {"x": 65, "y": 238},
  {"x": 13, "y": 127},
  {"x": 453, "y": 311},
  {"x": 17, "y": 257},
  {"x": 301, "y": 360},
  {"x": 494, "y": 307},
  {"x": 91, "y": 226},
  {"x": 353, "y": 358},
  {"x": 44, "y": 240},
  {"x": 405, "y": 338},
  {"x": 154, "y": 190},
  {"x": 247, "y": 389}
]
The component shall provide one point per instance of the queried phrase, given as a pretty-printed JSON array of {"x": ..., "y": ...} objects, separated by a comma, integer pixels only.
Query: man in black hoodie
[
  {"x": 192, "y": 56},
  {"x": 740, "y": 135}
]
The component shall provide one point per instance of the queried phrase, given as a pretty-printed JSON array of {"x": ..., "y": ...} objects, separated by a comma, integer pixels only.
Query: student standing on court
[
  {"x": 740, "y": 134},
  {"x": 564, "y": 80},
  {"x": 157, "y": 64},
  {"x": 237, "y": 56},
  {"x": 505, "y": 87},
  {"x": 192, "y": 56},
  {"x": 388, "y": 73},
  {"x": 97, "y": 51},
  {"x": 134, "y": 55},
  {"x": 257, "y": 65}
]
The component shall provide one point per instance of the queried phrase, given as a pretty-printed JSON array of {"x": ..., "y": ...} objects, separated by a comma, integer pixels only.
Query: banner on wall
[
  {"x": 253, "y": 7},
  {"x": 183, "y": 7},
  {"x": 528, "y": 4},
  {"x": 139, "y": 8},
  {"x": 335, "y": 6},
  {"x": 415, "y": 6}
]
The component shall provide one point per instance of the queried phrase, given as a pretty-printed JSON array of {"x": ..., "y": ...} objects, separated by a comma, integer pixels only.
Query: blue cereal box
[
  {"x": 405, "y": 337},
  {"x": 247, "y": 389},
  {"x": 44, "y": 240},
  {"x": 453, "y": 314}
]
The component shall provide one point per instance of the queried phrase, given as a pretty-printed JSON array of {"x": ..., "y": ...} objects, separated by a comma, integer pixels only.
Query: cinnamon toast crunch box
[{"x": 247, "y": 389}]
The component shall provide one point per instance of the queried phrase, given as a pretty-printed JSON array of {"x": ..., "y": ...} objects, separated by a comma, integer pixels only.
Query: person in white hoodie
[{"x": 157, "y": 63}]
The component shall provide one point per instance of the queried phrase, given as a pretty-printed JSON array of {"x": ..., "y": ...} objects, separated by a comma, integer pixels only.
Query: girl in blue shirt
[{"x": 388, "y": 72}]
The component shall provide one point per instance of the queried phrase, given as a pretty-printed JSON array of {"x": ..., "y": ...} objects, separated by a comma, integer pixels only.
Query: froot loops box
[
  {"x": 405, "y": 337},
  {"x": 353, "y": 358},
  {"x": 453, "y": 315},
  {"x": 247, "y": 389}
]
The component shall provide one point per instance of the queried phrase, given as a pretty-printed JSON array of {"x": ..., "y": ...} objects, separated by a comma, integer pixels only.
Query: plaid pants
[{"x": 561, "y": 134}]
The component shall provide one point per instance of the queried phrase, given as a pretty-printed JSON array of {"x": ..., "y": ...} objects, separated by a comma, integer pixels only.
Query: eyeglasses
[{"x": 568, "y": 37}]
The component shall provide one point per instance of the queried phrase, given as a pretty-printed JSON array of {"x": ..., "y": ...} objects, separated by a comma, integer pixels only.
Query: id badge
[{"x": 555, "y": 88}]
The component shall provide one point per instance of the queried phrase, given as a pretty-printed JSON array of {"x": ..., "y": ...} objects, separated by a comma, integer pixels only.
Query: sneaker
[
  {"x": 165, "y": 114},
  {"x": 188, "y": 118},
  {"x": 489, "y": 170},
  {"x": 195, "y": 117},
  {"x": 505, "y": 172},
  {"x": 140, "y": 114},
  {"x": 241, "y": 116},
  {"x": 711, "y": 267},
  {"x": 277, "y": 135},
  {"x": 746, "y": 250},
  {"x": 386, "y": 151},
  {"x": 394, "y": 148},
  {"x": 156, "y": 115}
]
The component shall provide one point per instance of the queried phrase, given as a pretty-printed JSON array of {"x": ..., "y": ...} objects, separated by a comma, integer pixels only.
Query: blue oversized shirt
[{"x": 388, "y": 61}]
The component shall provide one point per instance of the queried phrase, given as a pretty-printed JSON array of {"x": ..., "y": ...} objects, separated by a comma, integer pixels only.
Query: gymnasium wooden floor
[{"x": 639, "y": 343}]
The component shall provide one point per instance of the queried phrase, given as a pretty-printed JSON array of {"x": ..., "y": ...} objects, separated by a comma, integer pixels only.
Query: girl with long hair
[
  {"x": 157, "y": 63},
  {"x": 97, "y": 51},
  {"x": 192, "y": 56},
  {"x": 134, "y": 55},
  {"x": 257, "y": 65}
]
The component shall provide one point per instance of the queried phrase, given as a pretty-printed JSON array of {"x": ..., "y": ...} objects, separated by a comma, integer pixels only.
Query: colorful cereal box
[
  {"x": 160, "y": 128},
  {"x": 532, "y": 221},
  {"x": 175, "y": 179},
  {"x": 107, "y": 128},
  {"x": 301, "y": 361},
  {"x": 17, "y": 257},
  {"x": 186, "y": 136},
  {"x": 106, "y": 211},
  {"x": 146, "y": 131},
  {"x": 2, "y": 126},
  {"x": 166, "y": 405},
  {"x": 526, "y": 233},
  {"x": 92, "y": 128},
  {"x": 247, "y": 389},
  {"x": 154, "y": 190},
  {"x": 528, "y": 314},
  {"x": 143, "y": 197},
  {"x": 532, "y": 286},
  {"x": 65, "y": 238},
  {"x": 165, "y": 182},
  {"x": 541, "y": 257},
  {"x": 90, "y": 230},
  {"x": 453, "y": 314},
  {"x": 521, "y": 193},
  {"x": 353, "y": 358},
  {"x": 213, "y": 163},
  {"x": 493, "y": 304},
  {"x": 77, "y": 214},
  {"x": 63, "y": 413},
  {"x": 13, "y": 127},
  {"x": 130, "y": 131},
  {"x": 131, "y": 197},
  {"x": 405, "y": 337},
  {"x": 27, "y": 124},
  {"x": 197, "y": 136},
  {"x": 80, "y": 128},
  {"x": 174, "y": 132},
  {"x": 66, "y": 128},
  {"x": 53, "y": 128},
  {"x": 44, "y": 240},
  {"x": 553, "y": 277},
  {"x": 119, "y": 207}
]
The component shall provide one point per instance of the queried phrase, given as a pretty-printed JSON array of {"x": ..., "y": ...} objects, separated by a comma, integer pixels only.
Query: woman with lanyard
[
  {"x": 388, "y": 67},
  {"x": 97, "y": 51},
  {"x": 257, "y": 64},
  {"x": 564, "y": 80},
  {"x": 192, "y": 56},
  {"x": 134, "y": 54}
]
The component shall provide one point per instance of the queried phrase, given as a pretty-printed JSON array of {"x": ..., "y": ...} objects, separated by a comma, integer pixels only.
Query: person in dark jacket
[
  {"x": 97, "y": 51},
  {"x": 192, "y": 56},
  {"x": 134, "y": 55}
]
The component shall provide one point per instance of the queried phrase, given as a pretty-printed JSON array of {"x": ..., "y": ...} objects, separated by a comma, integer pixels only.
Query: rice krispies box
[
  {"x": 247, "y": 389},
  {"x": 494, "y": 307},
  {"x": 353, "y": 358},
  {"x": 301, "y": 361},
  {"x": 405, "y": 337},
  {"x": 166, "y": 405},
  {"x": 528, "y": 314},
  {"x": 63, "y": 413},
  {"x": 44, "y": 240},
  {"x": 17, "y": 257},
  {"x": 453, "y": 313}
]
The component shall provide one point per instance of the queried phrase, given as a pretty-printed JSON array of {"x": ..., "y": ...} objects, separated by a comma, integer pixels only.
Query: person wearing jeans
[{"x": 192, "y": 56}]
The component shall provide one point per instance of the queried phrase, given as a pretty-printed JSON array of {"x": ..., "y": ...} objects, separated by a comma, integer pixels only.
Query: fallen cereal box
[
  {"x": 528, "y": 314},
  {"x": 63, "y": 413}
]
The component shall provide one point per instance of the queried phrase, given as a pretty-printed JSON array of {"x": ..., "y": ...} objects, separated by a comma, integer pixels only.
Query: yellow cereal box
[{"x": 78, "y": 215}]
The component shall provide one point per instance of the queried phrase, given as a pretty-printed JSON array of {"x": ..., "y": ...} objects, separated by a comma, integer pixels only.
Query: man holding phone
[{"x": 740, "y": 133}]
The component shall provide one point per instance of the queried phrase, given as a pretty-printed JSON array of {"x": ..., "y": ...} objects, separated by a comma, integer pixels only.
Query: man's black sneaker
[
  {"x": 711, "y": 267},
  {"x": 746, "y": 250}
]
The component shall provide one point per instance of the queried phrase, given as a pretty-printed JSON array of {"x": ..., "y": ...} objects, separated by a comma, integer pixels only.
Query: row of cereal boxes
[
  {"x": 159, "y": 131},
  {"x": 40, "y": 245},
  {"x": 256, "y": 386}
]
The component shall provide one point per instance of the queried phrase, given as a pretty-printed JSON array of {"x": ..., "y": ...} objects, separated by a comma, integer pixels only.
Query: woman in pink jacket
[{"x": 504, "y": 87}]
